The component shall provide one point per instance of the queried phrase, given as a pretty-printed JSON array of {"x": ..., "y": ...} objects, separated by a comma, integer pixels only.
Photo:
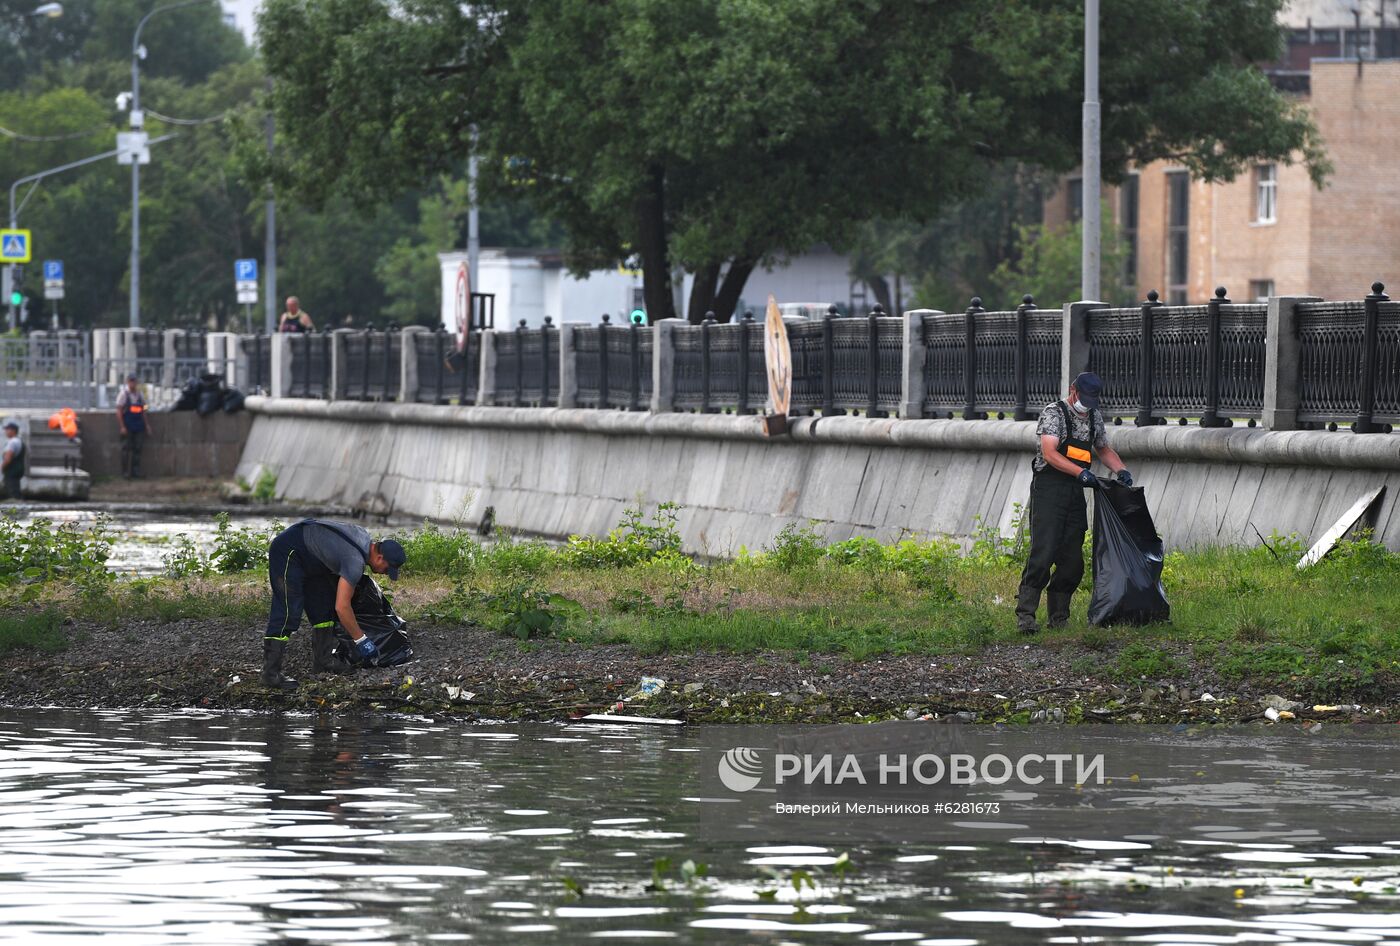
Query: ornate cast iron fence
[
  {"x": 527, "y": 366},
  {"x": 613, "y": 365}
]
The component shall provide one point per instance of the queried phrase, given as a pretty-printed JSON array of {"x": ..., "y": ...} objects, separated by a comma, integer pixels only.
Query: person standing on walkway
[
  {"x": 314, "y": 566},
  {"x": 131, "y": 415},
  {"x": 12, "y": 461},
  {"x": 295, "y": 319},
  {"x": 1070, "y": 433}
]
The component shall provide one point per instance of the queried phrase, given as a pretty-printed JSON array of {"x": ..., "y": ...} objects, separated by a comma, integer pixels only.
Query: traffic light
[
  {"x": 16, "y": 298},
  {"x": 639, "y": 317}
]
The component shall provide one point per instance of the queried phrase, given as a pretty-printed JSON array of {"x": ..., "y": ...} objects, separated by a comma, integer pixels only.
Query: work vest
[
  {"x": 134, "y": 413},
  {"x": 1077, "y": 451}
]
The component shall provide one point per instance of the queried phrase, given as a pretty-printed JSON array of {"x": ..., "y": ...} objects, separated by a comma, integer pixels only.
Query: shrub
[
  {"x": 635, "y": 541},
  {"x": 184, "y": 560},
  {"x": 435, "y": 551},
  {"x": 265, "y": 489},
  {"x": 795, "y": 549},
  {"x": 990, "y": 547},
  {"x": 41, "y": 552},
  {"x": 239, "y": 549}
]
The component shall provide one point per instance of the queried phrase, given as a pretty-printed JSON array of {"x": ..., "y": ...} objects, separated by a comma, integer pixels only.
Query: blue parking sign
[
  {"x": 53, "y": 270},
  {"x": 245, "y": 270}
]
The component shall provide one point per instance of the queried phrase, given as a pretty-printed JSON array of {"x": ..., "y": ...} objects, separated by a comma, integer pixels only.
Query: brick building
[{"x": 1270, "y": 231}]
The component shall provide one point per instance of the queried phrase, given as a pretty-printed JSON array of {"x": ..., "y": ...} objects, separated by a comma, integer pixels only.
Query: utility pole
[
  {"x": 270, "y": 239},
  {"x": 138, "y": 120},
  {"x": 1090, "y": 212},
  {"x": 473, "y": 224}
]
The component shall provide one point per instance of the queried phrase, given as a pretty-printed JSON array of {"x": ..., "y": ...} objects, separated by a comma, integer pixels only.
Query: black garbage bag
[
  {"x": 211, "y": 394},
  {"x": 377, "y": 619},
  {"x": 189, "y": 396},
  {"x": 1127, "y": 559},
  {"x": 233, "y": 401}
]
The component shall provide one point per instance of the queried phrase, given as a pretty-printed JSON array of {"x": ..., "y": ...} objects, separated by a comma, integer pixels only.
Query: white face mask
[{"x": 1078, "y": 408}]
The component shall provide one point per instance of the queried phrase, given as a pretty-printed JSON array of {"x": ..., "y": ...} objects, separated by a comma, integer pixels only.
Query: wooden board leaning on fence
[{"x": 777, "y": 355}]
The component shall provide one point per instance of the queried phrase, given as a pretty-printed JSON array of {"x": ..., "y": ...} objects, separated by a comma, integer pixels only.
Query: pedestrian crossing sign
[{"x": 14, "y": 246}]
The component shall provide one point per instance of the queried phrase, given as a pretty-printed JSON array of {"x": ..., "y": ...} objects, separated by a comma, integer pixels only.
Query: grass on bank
[
  {"x": 41, "y": 631},
  {"x": 1247, "y": 614}
]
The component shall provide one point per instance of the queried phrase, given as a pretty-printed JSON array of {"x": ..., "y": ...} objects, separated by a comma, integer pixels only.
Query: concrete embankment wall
[
  {"x": 556, "y": 472},
  {"x": 182, "y": 443}
]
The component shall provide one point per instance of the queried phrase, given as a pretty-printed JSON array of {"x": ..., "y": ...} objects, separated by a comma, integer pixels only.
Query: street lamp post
[
  {"x": 138, "y": 121},
  {"x": 1090, "y": 213}
]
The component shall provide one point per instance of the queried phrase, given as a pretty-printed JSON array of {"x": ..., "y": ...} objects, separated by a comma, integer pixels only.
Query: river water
[{"x": 151, "y": 828}]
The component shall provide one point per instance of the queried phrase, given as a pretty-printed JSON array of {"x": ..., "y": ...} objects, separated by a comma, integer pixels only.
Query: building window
[
  {"x": 1266, "y": 193},
  {"x": 1074, "y": 199},
  {"x": 1178, "y": 235},
  {"x": 1261, "y": 289},
  {"x": 1128, "y": 227},
  {"x": 1356, "y": 44},
  {"x": 1388, "y": 43}
]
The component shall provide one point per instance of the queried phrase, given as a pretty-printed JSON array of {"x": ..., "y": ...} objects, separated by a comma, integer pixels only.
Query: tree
[
  {"x": 1046, "y": 264},
  {"x": 951, "y": 258},
  {"x": 716, "y": 135}
]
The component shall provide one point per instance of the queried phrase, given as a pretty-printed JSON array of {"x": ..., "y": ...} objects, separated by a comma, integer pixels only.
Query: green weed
[
  {"x": 42, "y": 631},
  {"x": 636, "y": 540},
  {"x": 265, "y": 489}
]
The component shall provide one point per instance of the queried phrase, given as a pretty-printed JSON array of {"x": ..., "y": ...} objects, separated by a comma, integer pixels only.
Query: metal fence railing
[
  {"x": 312, "y": 357},
  {"x": 613, "y": 365},
  {"x": 527, "y": 365},
  {"x": 719, "y": 367},
  {"x": 1335, "y": 363},
  {"x": 255, "y": 357},
  {"x": 447, "y": 373},
  {"x": 371, "y": 363},
  {"x": 46, "y": 370}
]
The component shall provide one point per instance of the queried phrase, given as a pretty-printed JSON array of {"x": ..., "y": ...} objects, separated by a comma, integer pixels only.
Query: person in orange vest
[{"x": 131, "y": 415}]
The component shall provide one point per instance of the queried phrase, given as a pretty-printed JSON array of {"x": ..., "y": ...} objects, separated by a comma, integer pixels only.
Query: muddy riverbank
[{"x": 470, "y": 672}]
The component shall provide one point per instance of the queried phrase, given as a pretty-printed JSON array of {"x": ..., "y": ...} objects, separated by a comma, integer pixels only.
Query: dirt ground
[
  {"x": 164, "y": 489},
  {"x": 466, "y": 671}
]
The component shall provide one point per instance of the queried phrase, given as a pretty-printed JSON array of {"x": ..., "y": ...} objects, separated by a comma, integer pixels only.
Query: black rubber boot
[
  {"x": 1027, "y": 601},
  {"x": 273, "y": 651},
  {"x": 1057, "y": 606},
  {"x": 323, "y": 658}
]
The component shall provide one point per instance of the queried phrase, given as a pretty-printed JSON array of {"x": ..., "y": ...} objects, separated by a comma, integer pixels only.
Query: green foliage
[
  {"x": 795, "y": 549},
  {"x": 990, "y": 547},
  {"x": 516, "y": 607},
  {"x": 265, "y": 489},
  {"x": 236, "y": 549},
  {"x": 239, "y": 549},
  {"x": 1046, "y": 264},
  {"x": 1139, "y": 660},
  {"x": 42, "y": 632},
  {"x": 42, "y": 552},
  {"x": 688, "y": 872},
  {"x": 729, "y": 158},
  {"x": 435, "y": 551},
  {"x": 184, "y": 560},
  {"x": 637, "y": 540}
]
